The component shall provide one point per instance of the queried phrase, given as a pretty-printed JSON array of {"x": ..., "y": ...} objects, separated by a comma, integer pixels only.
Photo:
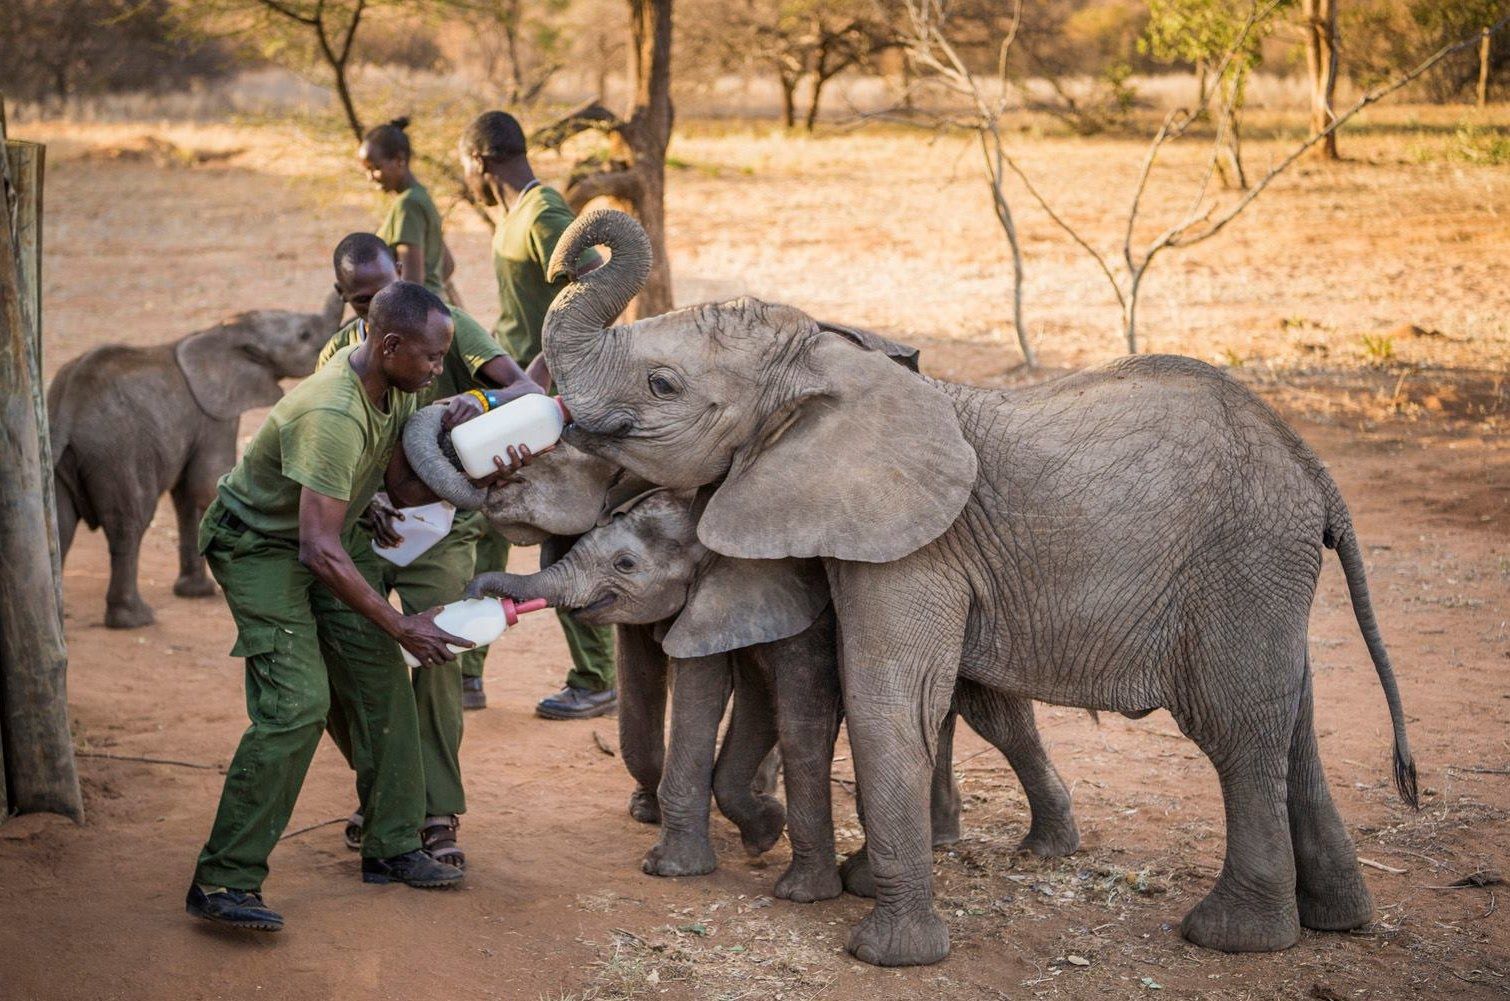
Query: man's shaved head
[
  {"x": 411, "y": 329},
  {"x": 357, "y": 249},
  {"x": 404, "y": 309},
  {"x": 365, "y": 265}
]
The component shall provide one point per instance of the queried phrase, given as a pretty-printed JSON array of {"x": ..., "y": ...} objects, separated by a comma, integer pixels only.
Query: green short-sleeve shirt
[
  {"x": 325, "y": 435},
  {"x": 522, "y": 249},
  {"x": 413, "y": 219},
  {"x": 472, "y": 347}
]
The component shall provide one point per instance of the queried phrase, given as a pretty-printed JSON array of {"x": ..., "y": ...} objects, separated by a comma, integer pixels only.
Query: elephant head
[
  {"x": 235, "y": 365},
  {"x": 821, "y": 444},
  {"x": 643, "y": 564}
]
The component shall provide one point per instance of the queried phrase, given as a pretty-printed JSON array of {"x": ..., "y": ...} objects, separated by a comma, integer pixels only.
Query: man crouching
[{"x": 310, "y": 624}]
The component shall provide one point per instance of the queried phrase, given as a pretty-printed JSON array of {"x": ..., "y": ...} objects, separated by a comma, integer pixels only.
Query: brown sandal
[{"x": 438, "y": 839}]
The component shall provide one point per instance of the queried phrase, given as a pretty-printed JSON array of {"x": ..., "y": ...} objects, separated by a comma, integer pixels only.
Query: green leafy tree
[{"x": 1217, "y": 39}]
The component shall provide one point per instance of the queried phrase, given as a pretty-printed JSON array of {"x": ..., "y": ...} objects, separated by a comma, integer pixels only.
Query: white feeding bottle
[
  {"x": 421, "y": 528},
  {"x": 534, "y": 420},
  {"x": 481, "y": 620}
]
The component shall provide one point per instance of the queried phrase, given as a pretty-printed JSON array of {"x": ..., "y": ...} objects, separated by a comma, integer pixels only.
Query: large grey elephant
[
  {"x": 129, "y": 424},
  {"x": 759, "y": 628},
  {"x": 1147, "y": 534}
]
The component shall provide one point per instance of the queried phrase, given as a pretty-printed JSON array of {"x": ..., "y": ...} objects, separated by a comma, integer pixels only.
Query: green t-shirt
[
  {"x": 414, "y": 219},
  {"x": 471, "y": 348},
  {"x": 325, "y": 435},
  {"x": 522, "y": 249}
]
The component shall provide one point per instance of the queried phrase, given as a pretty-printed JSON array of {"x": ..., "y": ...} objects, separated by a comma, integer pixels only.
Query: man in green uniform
[
  {"x": 364, "y": 266},
  {"x": 534, "y": 217},
  {"x": 307, "y": 620}
]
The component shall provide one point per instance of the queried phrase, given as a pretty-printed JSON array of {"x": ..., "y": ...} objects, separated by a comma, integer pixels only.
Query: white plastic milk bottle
[
  {"x": 481, "y": 620},
  {"x": 534, "y": 420},
  {"x": 421, "y": 528}
]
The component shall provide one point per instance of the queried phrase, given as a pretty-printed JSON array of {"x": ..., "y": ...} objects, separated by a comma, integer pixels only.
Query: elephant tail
[{"x": 1339, "y": 535}]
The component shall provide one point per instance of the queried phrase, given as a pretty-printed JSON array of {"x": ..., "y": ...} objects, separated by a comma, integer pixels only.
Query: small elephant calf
[
  {"x": 129, "y": 424},
  {"x": 763, "y": 628}
]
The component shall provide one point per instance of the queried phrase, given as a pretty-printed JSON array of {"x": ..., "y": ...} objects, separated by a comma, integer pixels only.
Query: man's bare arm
[{"x": 321, "y": 520}]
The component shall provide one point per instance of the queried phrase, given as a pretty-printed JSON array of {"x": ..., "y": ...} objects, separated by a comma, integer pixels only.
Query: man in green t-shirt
[
  {"x": 498, "y": 172},
  {"x": 364, "y": 266},
  {"x": 309, "y": 622}
]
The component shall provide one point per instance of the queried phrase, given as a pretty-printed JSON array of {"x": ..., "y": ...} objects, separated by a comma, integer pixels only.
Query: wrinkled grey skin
[
  {"x": 644, "y": 570},
  {"x": 1147, "y": 534},
  {"x": 130, "y": 423}
]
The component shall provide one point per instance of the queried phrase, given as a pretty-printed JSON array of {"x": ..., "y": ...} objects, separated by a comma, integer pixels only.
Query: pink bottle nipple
[{"x": 512, "y": 609}]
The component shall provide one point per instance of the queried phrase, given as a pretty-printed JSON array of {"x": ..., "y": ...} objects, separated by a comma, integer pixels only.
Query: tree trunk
[
  {"x": 1485, "y": 45},
  {"x": 1321, "y": 69},
  {"x": 812, "y": 105},
  {"x": 34, "y": 733},
  {"x": 644, "y": 139},
  {"x": 788, "y": 101}
]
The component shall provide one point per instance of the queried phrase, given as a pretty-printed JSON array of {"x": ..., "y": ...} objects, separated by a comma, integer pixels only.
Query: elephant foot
[
  {"x": 680, "y": 855},
  {"x": 856, "y": 875},
  {"x": 1051, "y": 840},
  {"x": 1228, "y": 922},
  {"x": 945, "y": 832},
  {"x": 194, "y": 586},
  {"x": 913, "y": 938},
  {"x": 760, "y": 832},
  {"x": 644, "y": 807},
  {"x": 130, "y": 615},
  {"x": 1343, "y": 905},
  {"x": 805, "y": 883}
]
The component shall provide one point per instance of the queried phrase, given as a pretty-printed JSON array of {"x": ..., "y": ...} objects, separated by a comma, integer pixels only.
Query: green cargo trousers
[
  {"x": 591, "y": 646},
  {"x": 302, "y": 644},
  {"x": 438, "y": 576}
]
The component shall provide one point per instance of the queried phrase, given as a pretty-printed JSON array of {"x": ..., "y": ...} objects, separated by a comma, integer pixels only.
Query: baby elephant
[
  {"x": 765, "y": 628},
  {"x": 130, "y": 423}
]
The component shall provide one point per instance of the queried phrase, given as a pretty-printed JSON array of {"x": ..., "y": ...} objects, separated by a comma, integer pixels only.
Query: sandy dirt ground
[{"x": 145, "y": 245}]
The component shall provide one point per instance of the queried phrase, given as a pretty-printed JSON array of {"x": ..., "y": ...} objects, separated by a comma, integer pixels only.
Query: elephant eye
[
  {"x": 662, "y": 385},
  {"x": 624, "y": 563}
]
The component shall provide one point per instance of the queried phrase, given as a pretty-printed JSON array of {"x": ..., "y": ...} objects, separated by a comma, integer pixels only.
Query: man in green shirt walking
[
  {"x": 498, "y": 172},
  {"x": 364, "y": 266},
  {"x": 309, "y": 622}
]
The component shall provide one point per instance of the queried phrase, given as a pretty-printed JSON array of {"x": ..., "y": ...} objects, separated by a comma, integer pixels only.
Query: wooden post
[
  {"x": 1485, "y": 42},
  {"x": 38, "y": 748}
]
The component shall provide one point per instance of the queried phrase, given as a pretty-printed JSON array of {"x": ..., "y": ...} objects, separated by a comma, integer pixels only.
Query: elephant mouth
[{"x": 594, "y": 606}]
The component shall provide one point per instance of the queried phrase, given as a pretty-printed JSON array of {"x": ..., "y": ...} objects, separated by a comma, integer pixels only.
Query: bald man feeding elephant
[
  {"x": 1147, "y": 534},
  {"x": 309, "y": 622}
]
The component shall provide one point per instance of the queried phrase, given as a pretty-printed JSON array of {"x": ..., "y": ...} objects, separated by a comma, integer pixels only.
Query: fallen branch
[
  {"x": 597, "y": 738},
  {"x": 149, "y": 761},
  {"x": 1381, "y": 866},
  {"x": 313, "y": 827}
]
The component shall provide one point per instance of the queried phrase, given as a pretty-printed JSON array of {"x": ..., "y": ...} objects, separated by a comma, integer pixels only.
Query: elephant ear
[
  {"x": 903, "y": 354},
  {"x": 227, "y": 371},
  {"x": 867, "y": 463},
  {"x": 738, "y": 603}
]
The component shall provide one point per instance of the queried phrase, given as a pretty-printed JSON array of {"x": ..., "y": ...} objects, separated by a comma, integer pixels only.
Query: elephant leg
[
  {"x": 641, "y": 672},
  {"x": 806, "y": 682},
  {"x": 1007, "y": 722},
  {"x": 943, "y": 806},
  {"x": 1329, "y": 889},
  {"x": 699, "y": 692},
  {"x": 189, "y": 503},
  {"x": 68, "y": 518},
  {"x": 1252, "y": 907},
  {"x": 899, "y": 674},
  {"x": 751, "y": 736},
  {"x": 124, "y": 607}
]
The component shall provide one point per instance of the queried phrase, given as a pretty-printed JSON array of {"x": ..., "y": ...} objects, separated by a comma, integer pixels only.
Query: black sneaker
[
  {"x": 237, "y": 908},
  {"x": 577, "y": 703},
  {"x": 472, "y": 695},
  {"x": 411, "y": 868}
]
